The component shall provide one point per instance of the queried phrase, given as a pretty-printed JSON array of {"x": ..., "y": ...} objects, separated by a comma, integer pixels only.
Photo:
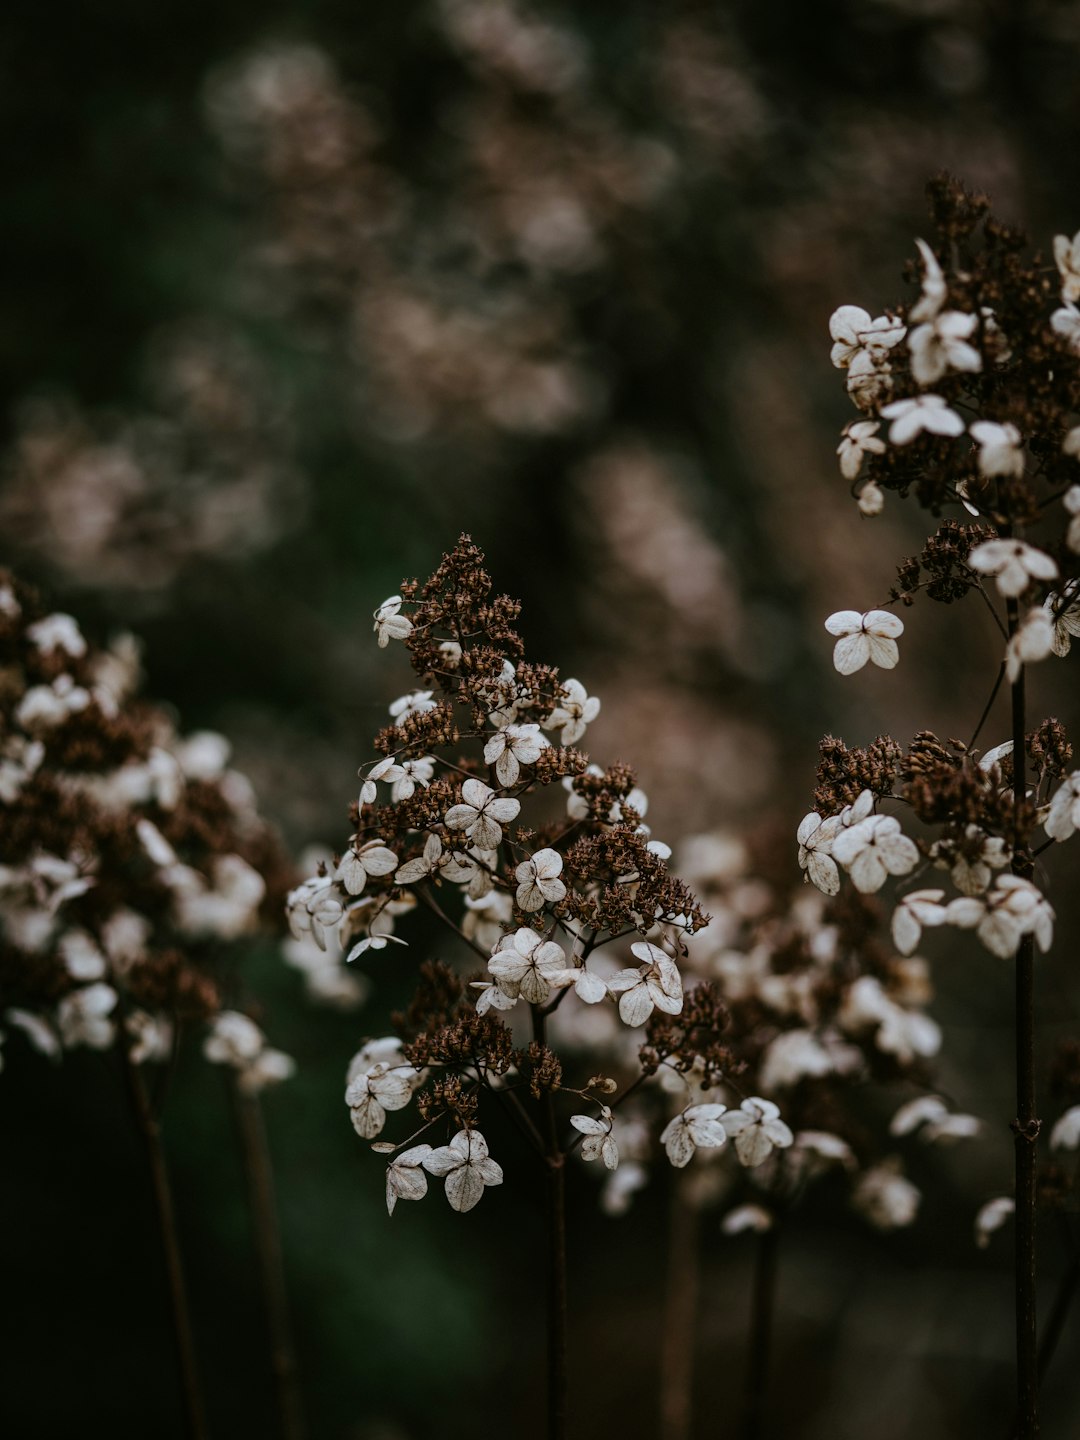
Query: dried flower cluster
[
  {"x": 569, "y": 907},
  {"x": 130, "y": 856}
]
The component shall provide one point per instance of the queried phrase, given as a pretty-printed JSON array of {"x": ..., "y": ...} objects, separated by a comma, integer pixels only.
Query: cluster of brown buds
[{"x": 568, "y": 907}]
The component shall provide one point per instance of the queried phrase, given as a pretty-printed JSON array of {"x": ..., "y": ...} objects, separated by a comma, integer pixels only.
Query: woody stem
[
  {"x": 761, "y": 1328},
  {"x": 1026, "y": 1125},
  {"x": 680, "y": 1314},
  {"x": 555, "y": 1195}
]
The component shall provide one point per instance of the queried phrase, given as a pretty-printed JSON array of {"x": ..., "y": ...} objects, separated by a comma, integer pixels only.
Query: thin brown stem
[
  {"x": 150, "y": 1131},
  {"x": 680, "y": 1314},
  {"x": 555, "y": 1195},
  {"x": 763, "y": 1304},
  {"x": 266, "y": 1234},
  {"x": 1026, "y": 1125}
]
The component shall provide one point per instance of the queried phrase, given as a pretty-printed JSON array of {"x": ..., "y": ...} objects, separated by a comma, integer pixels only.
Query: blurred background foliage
[{"x": 296, "y": 291}]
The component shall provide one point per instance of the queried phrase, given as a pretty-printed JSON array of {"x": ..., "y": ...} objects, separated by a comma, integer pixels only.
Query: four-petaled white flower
[
  {"x": 657, "y": 984},
  {"x": 1014, "y": 908},
  {"x": 916, "y": 911},
  {"x": 934, "y": 287},
  {"x": 1067, "y": 259},
  {"x": 577, "y": 710},
  {"x": 82, "y": 1016},
  {"x": 918, "y": 413},
  {"x": 871, "y": 499},
  {"x": 511, "y": 747},
  {"x": 374, "y": 1090},
  {"x": 416, "y": 702},
  {"x": 1000, "y": 448},
  {"x": 57, "y": 632},
  {"x": 373, "y": 858},
  {"x": 389, "y": 623},
  {"x": 886, "y": 1196},
  {"x": 1013, "y": 563},
  {"x": 481, "y": 814},
  {"x": 696, "y": 1127},
  {"x": 757, "y": 1129},
  {"x": 852, "y": 331},
  {"x": 467, "y": 1168},
  {"x": 1033, "y": 641},
  {"x": 864, "y": 636},
  {"x": 1063, "y": 818},
  {"x": 869, "y": 379},
  {"x": 942, "y": 344},
  {"x": 815, "y": 836},
  {"x": 599, "y": 1142},
  {"x": 458, "y": 869},
  {"x": 1066, "y": 323},
  {"x": 405, "y": 1178},
  {"x": 1066, "y": 617},
  {"x": 981, "y": 854},
  {"x": 314, "y": 908},
  {"x": 860, "y": 439},
  {"x": 538, "y": 880},
  {"x": 530, "y": 962},
  {"x": 874, "y": 849}
]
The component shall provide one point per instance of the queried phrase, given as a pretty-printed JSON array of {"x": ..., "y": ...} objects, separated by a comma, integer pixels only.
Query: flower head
[
  {"x": 870, "y": 635},
  {"x": 467, "y": 1168}
]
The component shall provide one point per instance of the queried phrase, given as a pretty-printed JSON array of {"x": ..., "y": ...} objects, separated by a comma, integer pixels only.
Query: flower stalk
[
  {"x": 149, "y": 1128},
  {"x": 763, "y": 1305}
]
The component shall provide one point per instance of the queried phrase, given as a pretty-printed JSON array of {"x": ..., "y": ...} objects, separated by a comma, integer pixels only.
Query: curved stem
[
  {"x": 1026, "y": 1125},
  {"x": 266, "y": 1233},
  {"x": 555, "y": 1195},
  {"x": 150, "y": 1131}
]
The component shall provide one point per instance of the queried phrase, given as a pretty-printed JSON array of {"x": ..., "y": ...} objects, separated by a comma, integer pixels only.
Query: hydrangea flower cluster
[
  {"x": 571, "y": 910},
  {"x": 130, "y": 857}
]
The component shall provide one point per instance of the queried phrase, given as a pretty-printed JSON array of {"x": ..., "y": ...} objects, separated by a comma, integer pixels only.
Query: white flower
[
  {"x": 588, "y": 986},
  {"x": 971, "y": 872},
  {"x": 991, "y": 1217},
  {"x": 886, "y": 1197},
  {"x": 874, "y": 849},
  {"x": 1000, "y": 448},
  {"x": 1067, "y": 259},
  {"x": 389, "y": 624},
  {"x": 82, "y": 1016},
  {"x": 657, "y": 984},
  {"x": 599, "y": 1143},
  {"x": 57, "y": 632},
  {"x": 1064, "y": 815},
  {"x": 511, "y": 747},
  {"x": 450, "y": 653},
  {"x": 481, "y": 814},
  {"x": 1066, "y": 323},
  {"x": 1066, "y": 1132},
  {"x": 942, "y": 344},
  {"x": 456, "y": 868},
  {"x": 869, "y": 379},
  {"x": 373, "y": 858},
  {"x": 917, "y": 910},
  {"x": 1071, "y": 501},
  {"x": 871, "y": 499},
  {"x": 528, "y": 961},
  {"x": 746, "y": 1217},
  {"x": 375, "y": 1089},
  {"x": 81, "y": 956},
  {"x": 270, "y": 1067},
  {"x": 934, "y": 288},
  {"x": 930, "y": 1116},
  {"x": 233, "y": 1040},
  {"x": 538, "y": 880},
  {"x": 864, "y": 636},
  {"x": 1013, "y": 563},
  {"x": 152, "y": 1034},
  {"x": 405, "y": 1178},
  {"x": 1071, "y": 444},
  {"x": 757, "y": 1129},
  {"x": 43, "y": 707},
  {"x": 899, "y": 1032},
  {"x": 313, "y": 907},
  {"x": 1015, "y": 907},
  {"x": 860, "y": 439},
  {"x": 918, "y": 413},
  {"x": 1033, "y": 641},
  {"x": 467, "y": 1167},
  {"x": 793, "y": 1056},
  {"x": 38, "y": 1031},
  {"x": 815, "y": 837},
  {"x": 852, "y": 331},
  {"x": 696, "y": 1127},
  {"x": 577, "y": 710},
  {"x": 416, "y": 702},
  {"x": 495, "y": 995},
  {"x": 1066, "y": 622}
]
